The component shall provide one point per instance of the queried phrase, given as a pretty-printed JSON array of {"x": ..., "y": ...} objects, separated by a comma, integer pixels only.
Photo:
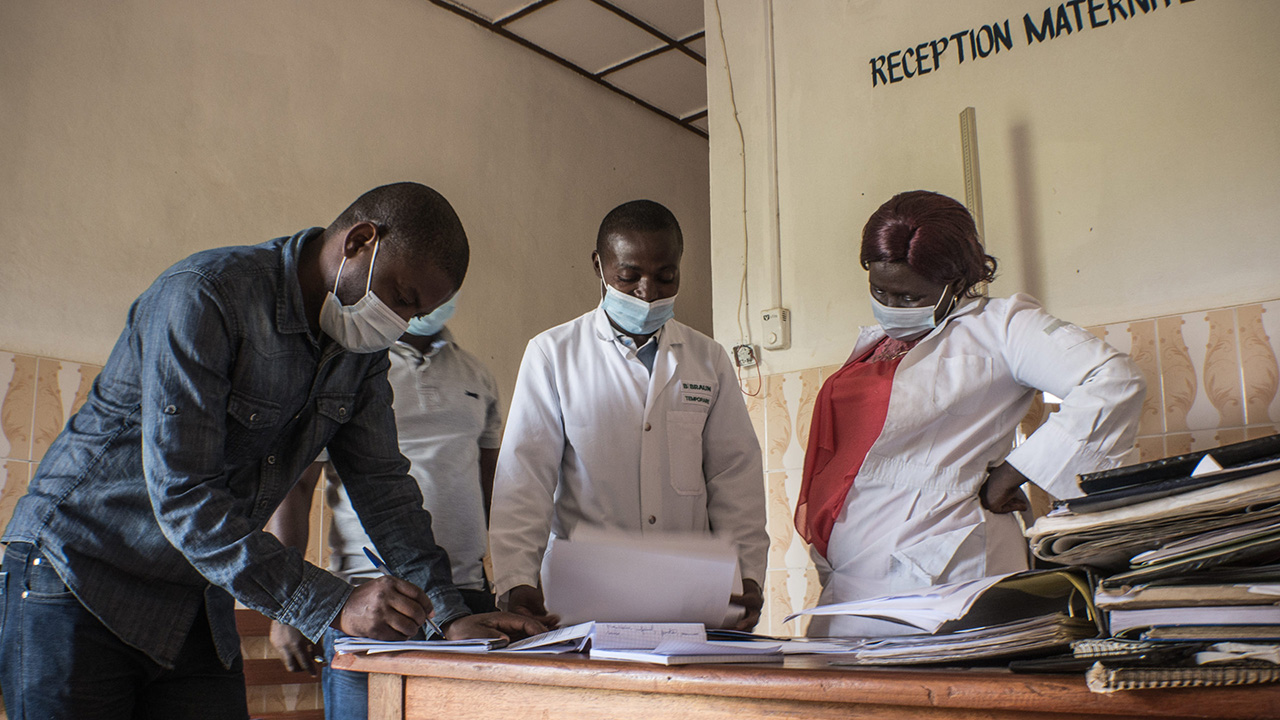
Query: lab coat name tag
[{"x": 696, "y": 394}]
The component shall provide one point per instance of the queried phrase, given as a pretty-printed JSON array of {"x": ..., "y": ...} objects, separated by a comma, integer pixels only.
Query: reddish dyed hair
[{"x": 933, "y": 234}]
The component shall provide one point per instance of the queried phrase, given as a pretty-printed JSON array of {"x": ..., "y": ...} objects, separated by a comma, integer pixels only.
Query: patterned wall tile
[
  {"x": 1150, "y": 448},
  {"x": 61, "y": 388},
  {"x": 1221, "y": 370},
  {"x": 14, "y": 477},
  {"x": 1177, "y": 444},
  {"x": 1139, "y": 341},
  {"x": 17, "y": 404},
  {"x": 1178, "y": 373},
  {"x": 810, "y": 383},
  {"x": 778, "y": 518},
  {"x": 1259, "y": 333},
  {"x": 1261, "y": 431},
  {"x": 778, "y": 424},
  {"x": 756, "y": 411},
  {"x": 777, "y": 603}
]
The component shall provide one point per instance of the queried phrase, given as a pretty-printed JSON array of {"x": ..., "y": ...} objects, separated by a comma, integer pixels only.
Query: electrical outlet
[{"x": 745, "y": 355}]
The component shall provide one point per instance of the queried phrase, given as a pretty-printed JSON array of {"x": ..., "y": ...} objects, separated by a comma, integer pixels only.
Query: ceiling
[{"x": 650, "y": 51}]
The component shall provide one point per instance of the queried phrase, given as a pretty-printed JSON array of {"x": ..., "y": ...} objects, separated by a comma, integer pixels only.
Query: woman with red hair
[{"x": 911, "y": 477}]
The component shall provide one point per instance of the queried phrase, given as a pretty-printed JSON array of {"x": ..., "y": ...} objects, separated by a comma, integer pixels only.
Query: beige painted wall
[
  {"x": 137, "y": 132},
  {"x": 1128, "y": 171}
]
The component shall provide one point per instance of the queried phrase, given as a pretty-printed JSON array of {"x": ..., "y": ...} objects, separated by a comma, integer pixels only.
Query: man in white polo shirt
[{"x": 450, "y": 425}]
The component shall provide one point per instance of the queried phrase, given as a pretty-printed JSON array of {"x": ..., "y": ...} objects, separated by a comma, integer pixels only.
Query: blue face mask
[
  {"x": 433, "y": 322},
  {"x": 905, "y": 323},
  {"x": 634, "y": 315}
]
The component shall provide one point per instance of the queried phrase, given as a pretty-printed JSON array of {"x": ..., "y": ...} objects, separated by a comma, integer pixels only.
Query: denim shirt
[{"x": 215, "y": 398}]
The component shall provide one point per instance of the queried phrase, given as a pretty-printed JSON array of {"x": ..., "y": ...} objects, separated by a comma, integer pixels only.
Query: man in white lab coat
[{"x": 625, "y": 419}]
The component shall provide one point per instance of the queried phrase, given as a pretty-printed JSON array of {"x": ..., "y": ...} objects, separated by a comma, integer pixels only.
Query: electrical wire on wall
[{"x": 744, "y": 351}]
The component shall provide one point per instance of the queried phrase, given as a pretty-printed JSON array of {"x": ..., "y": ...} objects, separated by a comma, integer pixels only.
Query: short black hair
[
  {"x": 642, "y": 215},
  {"x": 418, "y": 224}
]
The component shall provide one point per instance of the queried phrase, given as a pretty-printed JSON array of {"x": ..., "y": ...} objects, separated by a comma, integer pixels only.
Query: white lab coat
[
  {"x": 913, "y": 517},
  {"x": 593, "y": 440}
]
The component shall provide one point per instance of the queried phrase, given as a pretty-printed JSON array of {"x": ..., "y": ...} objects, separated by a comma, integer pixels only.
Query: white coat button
[
  {"x": 653, "y": 519},
  {"x": 25, "y": 594},
  {"x": 271, "y": 459},
  {"x": 648, "y": 427}
]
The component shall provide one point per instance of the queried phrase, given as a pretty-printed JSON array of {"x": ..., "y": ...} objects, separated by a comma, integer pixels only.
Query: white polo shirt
[{"x": 446, "y": 406}]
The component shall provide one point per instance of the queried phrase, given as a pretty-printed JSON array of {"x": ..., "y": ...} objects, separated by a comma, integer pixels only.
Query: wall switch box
[
  {"x": 744, "y": 356},
  {"x": 777, "y": 329}
]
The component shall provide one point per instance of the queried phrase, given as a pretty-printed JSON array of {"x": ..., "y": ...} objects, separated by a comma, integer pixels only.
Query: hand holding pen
[
  {"x": 384, "y": 608},
  {"x": 430, "y": 625}
]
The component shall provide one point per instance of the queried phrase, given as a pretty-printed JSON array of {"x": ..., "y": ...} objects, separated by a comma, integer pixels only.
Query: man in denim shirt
[{"x": 144, "y": 519}]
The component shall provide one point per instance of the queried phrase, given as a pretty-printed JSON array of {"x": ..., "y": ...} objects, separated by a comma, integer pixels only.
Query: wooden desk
[{"x": 410, "y": 686}]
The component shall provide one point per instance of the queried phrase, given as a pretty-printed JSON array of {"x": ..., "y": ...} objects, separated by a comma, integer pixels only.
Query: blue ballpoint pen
[{"x": 382, "y": 568}]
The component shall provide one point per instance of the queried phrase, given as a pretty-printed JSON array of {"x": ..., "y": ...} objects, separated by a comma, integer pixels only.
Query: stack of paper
[
  {"x": 1188, "y": 547},
  {"x": 687, "y": 652},
  {"x": 996, "y": 617}
]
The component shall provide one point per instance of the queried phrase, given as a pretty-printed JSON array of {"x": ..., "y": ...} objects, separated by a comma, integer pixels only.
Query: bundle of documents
[
  {"x": 1188, "y": 547},
  {"x": 1004, "y": 616},
  {"x": 1140, "y": 665}
]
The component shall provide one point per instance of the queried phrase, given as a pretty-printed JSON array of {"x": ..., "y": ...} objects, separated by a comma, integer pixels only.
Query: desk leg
[{"x": 386, "y": 697}]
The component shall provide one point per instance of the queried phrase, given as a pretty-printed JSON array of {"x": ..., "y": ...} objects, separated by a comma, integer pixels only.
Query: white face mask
[
  {"x": 369, "y": 325},
  {"x": 904, "y": 323},
  {"x": 634, "y": 315}
]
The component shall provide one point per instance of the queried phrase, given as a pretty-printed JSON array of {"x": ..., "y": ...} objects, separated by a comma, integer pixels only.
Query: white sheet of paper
[{"x": 610, "y": 577}]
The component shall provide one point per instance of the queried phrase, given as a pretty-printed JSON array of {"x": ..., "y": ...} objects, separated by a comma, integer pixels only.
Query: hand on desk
[
  {"x": 752, "y": 598},
  {"x": 296, "y": 652},
  {"x": 384, "y": 608},
  {"x": 493, "y": 625},
  {"x": 1000, "y": 493},
  {"x": 526, "y": 600}
]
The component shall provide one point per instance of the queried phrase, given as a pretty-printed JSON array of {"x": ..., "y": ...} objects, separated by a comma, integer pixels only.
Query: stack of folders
[
  {"x": 1001, "y": 617},
  {"x": 1186, "y": 549}
]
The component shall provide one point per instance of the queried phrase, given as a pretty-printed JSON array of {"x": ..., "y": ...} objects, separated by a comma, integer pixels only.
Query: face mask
[
  {"x": 369, "y": 325},
  {"x": 634, "y": 315},
  {"x": 433, "y": 322},
  {"x": 903, "y": 323}
]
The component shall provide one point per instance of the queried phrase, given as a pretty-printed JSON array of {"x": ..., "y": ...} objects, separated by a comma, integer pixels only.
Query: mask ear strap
[
  {"x": 339, "y": 276},
  {"x": 368, "y": 283}
]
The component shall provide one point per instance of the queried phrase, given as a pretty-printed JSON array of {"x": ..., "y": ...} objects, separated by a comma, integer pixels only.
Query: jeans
[
  {"x": 346, "y": 692},
  {"x": 59, "y": 661}
]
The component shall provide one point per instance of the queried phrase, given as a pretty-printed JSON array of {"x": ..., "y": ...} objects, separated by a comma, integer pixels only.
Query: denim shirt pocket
[
  {"x": 335, "y": 406},
  {"x": 255, "y": 422}
]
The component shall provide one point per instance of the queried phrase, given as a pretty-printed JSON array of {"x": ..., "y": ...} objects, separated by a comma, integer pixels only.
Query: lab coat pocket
[
  {"x": 961, "y": 383},
  {"x": 684, "y": 451},
  {"x": 928, "y": 561}
]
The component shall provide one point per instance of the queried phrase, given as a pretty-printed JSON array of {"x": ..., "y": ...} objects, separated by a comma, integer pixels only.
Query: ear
[
  {"x": 595, "y": 264},
  {"x": 357, "y": 237}
]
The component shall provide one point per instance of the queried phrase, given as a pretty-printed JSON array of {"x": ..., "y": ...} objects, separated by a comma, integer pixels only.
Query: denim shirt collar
[{"x": 291, "y": 311}]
